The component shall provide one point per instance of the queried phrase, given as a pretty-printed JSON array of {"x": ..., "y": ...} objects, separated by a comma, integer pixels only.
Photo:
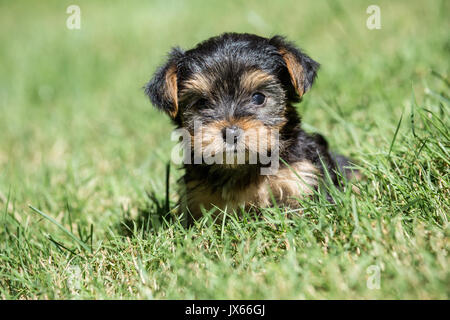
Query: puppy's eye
[
  {"x": 200, "y": 103},
  {"x": 258, "y": 98}
]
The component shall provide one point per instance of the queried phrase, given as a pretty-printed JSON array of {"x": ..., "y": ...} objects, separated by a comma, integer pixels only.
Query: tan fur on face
[
  {"x": 254, "y": 79},
  {"x": 199, "y": 83},
  {"x": 208, "y": 141},
  {"x": 295, "y": 71},
  {"x": 256, "y": 139},
  {"x": 286, "y": 186}
]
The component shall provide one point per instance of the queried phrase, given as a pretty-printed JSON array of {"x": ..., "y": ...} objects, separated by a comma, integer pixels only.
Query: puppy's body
[
  {"x": 249, "y": 189},
  {"x": 241, "y": 89}
]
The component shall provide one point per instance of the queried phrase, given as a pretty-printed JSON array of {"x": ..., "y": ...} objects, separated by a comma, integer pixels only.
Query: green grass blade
[{"x": 56, "y": 223}]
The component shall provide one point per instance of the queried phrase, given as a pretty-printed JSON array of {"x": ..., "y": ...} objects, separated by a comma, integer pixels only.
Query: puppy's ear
[
  {"x": 163, "y": 87},
  {"x": 302, "y": 69}
]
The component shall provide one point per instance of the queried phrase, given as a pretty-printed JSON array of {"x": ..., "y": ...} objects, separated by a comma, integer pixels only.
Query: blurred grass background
[{"x": 80, "y": 141}]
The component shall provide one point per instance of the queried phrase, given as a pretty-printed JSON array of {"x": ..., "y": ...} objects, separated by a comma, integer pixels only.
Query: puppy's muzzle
[{"x": 232, "y": 134}]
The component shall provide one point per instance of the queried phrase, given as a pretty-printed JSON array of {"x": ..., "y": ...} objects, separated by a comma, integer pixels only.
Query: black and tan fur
[{"x": 218, "y": 83}]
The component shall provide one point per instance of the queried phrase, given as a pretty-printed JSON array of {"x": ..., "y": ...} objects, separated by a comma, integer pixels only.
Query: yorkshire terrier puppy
[{"x": 233, "y": 95}]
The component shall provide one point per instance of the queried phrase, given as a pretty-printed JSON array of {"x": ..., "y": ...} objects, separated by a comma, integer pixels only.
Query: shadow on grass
[{"x": 155, "y": 214}]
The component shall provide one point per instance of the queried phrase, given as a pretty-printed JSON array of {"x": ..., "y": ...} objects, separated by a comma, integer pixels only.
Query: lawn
[{"x": 84, "y": 156}]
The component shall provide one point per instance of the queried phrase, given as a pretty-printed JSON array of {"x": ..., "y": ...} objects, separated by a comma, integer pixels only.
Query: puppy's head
[{"x": 237, "y": 88}]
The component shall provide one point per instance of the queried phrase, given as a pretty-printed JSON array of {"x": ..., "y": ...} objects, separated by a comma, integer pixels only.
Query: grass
[{"x": 83, "y": 156}]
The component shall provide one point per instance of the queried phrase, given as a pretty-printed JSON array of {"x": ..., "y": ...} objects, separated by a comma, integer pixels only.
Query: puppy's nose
[{"x": 232, "y": 133}]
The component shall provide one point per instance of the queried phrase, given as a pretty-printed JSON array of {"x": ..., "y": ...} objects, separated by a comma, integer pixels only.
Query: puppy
[{"x": 232, "y": 96}]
